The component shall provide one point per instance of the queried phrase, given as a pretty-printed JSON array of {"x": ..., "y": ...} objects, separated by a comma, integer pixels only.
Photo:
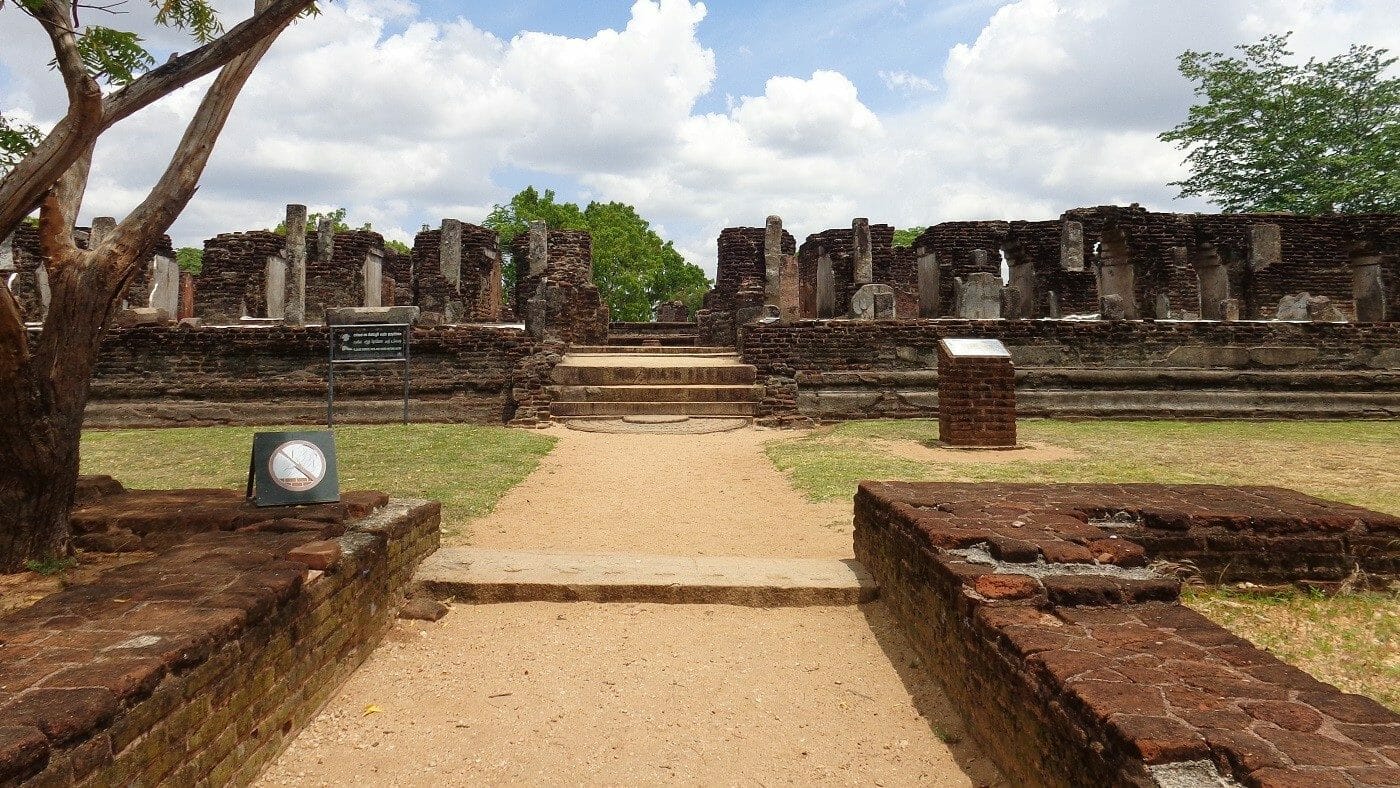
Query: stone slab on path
[{"x": 484, "y": 575}]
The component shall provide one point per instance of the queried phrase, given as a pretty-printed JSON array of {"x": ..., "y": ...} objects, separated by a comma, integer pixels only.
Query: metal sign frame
[{"x": 351, "y": 329}]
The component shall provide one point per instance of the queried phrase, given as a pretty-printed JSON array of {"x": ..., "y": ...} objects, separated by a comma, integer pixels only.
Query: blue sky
[{"x": 910, "y": 113}]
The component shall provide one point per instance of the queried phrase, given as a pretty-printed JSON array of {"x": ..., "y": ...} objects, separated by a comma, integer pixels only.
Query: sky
[{"x": 702, "y": 115}]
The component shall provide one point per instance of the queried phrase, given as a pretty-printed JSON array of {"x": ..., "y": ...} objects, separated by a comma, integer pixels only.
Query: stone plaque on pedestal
[{"x": 976, "y": 394}]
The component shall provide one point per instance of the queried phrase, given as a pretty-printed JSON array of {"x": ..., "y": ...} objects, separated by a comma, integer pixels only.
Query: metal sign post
[{"x": 368, "y": 343}]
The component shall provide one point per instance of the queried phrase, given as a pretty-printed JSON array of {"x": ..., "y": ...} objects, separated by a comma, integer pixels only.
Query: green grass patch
[
  {"x": 1350, "y": 640},
  {"x": 466, "y": 467},
  {"x": 1354, "y": 462}
]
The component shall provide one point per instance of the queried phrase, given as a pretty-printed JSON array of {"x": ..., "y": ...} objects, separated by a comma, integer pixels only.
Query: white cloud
[{"x": 1053, "y": 104}]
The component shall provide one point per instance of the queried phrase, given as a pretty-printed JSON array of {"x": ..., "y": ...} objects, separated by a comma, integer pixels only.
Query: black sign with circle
[{"x": 289, "y": 468}]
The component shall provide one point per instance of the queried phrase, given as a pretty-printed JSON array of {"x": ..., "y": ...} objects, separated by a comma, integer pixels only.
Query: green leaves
[
  {"x": 196, "y": 16},
  {"x": 633, "y": 267},
  {"x": 908, "y": 236},
  {"x": 16, "y": 140},
  {"x": 113, "y": 55},
  {"x": 1273, "y": 135}
]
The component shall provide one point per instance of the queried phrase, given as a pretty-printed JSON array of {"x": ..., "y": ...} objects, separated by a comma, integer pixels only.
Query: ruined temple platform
[
  {"x": 652, "y": 381},
  {"x": 469, "y": 574}
]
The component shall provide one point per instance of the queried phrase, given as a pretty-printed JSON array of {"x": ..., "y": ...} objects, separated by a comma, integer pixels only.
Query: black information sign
[
  {"x": 368, "y": 343},
  {"x": 288, "y": 468}
]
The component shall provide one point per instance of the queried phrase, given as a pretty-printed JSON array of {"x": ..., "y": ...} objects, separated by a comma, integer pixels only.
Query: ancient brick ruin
[
  {"x": 157, "y": 283},
  {"x": 1068, "y": 654},
  {"x": 554, "y": 292}
]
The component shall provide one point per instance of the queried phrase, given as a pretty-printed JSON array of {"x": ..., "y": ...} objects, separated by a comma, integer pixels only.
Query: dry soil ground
[{"x": 540, "y": 693}]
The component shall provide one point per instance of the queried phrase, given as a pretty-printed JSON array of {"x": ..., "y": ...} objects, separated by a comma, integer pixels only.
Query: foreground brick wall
[
  {"x": 201, "y": 665},
  {"x": 1072, "y": 662}
]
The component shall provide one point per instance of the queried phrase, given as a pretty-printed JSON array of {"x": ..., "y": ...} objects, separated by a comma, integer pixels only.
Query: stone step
[
  {"x": 654, "y": 350},
  {"x": 481, "y": 575},
  {"x": 566, "y": 409},
  {"x": 652, "y": 371},
  {"x": 662, "y": 340},
  {"x": 656, "y": 393}
]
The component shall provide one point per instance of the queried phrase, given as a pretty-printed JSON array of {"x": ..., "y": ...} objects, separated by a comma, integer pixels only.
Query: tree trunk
[{"x": 41, "y": 417}]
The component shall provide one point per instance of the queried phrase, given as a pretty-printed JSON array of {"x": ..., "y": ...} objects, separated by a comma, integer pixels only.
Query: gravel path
[
  {"x": 576, "y": 693},
  {"x": 664, "y": 494}
]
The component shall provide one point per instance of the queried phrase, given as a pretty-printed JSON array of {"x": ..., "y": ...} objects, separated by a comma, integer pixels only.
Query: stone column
[
  {"x": 772, "y": 259},
  {"x": 539, "y": 247},
  {"x": 275, "y": 286},
  {"x": 1072, "y": 246},
  {"x": 373, "y": 275},
  {"x": 1213, "y": 278},
  {"x": 1021, "y": 284},
  {"x": 450, "y": 252},
  {"x": 294, "y": 298},
  {"x": 1117, "y": 285},
  {"x": 928, "y": 285},
  {"x": 325, "y": 241},
  {"x": 1265, "y": 246},
  {"x": 826, "y": 284},
  {"x": 978, "y": 297},
  {"x": 863, "y": 262},
  {"x": 789, "y": 301},
  {"x": 1367, "y": 289},
  {"x": 102, "y": 227},
  {"x": 165, "y": 285}
]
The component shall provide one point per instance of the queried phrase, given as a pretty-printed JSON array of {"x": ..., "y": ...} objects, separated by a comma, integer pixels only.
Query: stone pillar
[
  {"x": 275, "y": 286},
  {"x": 450, "y": 252},
  {"x": 789, "y": 299},
  {"x": 102, "y": 227},
  {"x": 41, "y": 280},
  {"x": 772, "y": 259},
  {"x": 1213, "y": 277},
  {"x": 1072, "y": 246},
  {"x": 826, "y": 285},
  {"x": 165, "y": 285},
  {"x": 1021, "y": 283},
  {"x": 1117, "y": 285},
  {"x": 373, "y": 276},
  {"x": 1367, "y": 289},
  {"x": 294, "y": 297},
  {"x": 186, "y": 296},
  {"x": 978, "y": 297},
  {"x": 863, "y": 261},
  {"x": 325, "y": 241},
  {"x": 873, "y": 302},
  {"x": 928, "y": 285},
  {"x": 539, "y": 247}
]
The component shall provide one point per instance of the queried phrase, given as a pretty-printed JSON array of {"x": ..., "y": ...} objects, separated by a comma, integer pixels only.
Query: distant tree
[
  {"x": 907, "y": 237},
  {"x": 190, "y": 259},
  {"x": 1273, "y": 135},
  {"x": 633, "y": 267}
]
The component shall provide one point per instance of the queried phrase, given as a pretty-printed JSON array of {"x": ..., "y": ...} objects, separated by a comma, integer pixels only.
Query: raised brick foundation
[
  {"x": 976, "y": 399},
  {"x": 200, "y": 665},
  {"x": 1071, "y": 660}
]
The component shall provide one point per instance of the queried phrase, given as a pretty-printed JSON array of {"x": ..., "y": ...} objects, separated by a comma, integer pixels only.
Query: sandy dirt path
[
  {"x": 581, "y": 693},
  {"x": 712, "y": 494}
]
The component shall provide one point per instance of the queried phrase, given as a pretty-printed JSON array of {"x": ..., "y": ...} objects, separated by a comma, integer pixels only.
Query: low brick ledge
[
  {"x": 1039, "y": 610},
  {"x": 200, "y": 665}
]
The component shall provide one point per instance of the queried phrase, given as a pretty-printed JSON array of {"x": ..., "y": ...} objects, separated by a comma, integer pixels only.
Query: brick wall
[
  {"x": 247, "y": 648},
  {"x": 233, "y": 281},
  {"x": 1072, "y": 662},
  {"x": 153, "y": 375},
  {"x": 976, "y": 400},
  {"x": 739, "y": 283}
]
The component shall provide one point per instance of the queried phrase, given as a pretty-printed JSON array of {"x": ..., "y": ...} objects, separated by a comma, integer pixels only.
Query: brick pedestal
[{"x": 976, "y": 394}]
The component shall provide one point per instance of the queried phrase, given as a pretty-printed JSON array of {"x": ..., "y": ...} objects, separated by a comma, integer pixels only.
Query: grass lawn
[
  {"x": 467, "y": 467},
  {"x": 1352, "y": 641}
]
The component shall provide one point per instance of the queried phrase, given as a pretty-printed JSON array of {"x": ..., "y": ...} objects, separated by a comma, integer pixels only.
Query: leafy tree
[
  {"x": 16, "y": 139},
  {"x": 190, "y": 259},
  {"x": 44, "y": 382},
  {"x": 339, "y": 225},
  {"x": 1273, "y": 135},
  {"x": 633, "y": 267},
  {"x": 908, "y": 237}
]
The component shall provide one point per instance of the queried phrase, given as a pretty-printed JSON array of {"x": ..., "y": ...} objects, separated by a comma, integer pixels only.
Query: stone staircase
[
  {"x": 652, "y": 334},
  {"x": 655, "y": 381}
]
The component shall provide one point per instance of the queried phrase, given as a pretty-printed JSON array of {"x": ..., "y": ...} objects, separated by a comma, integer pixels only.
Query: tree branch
[
  {"x": 178, "y": 183},
  {"x": 22, "y": 188},
  {"x": 60, "y": 213}
]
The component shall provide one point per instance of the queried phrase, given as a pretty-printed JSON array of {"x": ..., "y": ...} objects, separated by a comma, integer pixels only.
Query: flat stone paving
[{"x": 484, "y": 575}]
